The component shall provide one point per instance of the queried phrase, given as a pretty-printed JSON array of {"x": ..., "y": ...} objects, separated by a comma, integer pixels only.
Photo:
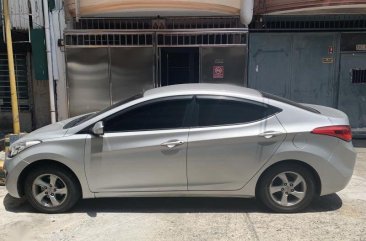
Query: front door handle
[
  {"x": 270, "y": 134},
  {"x": 172, "y": 144}
]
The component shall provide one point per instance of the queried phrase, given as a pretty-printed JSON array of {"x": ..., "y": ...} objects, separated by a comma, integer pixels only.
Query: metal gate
[
  {"x": 352, "y": 88},
  {"x": 21, "y": 74},
  {"x": 223, "y": 48},
  {"x": 299, "y": 66},
  {"x": 352, "y": 80},
  {"x": 105, "y": 65},
  {"x": 23, "y": 91}
]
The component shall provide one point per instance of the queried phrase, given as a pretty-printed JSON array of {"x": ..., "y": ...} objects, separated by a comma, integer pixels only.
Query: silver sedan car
[{"x": 187, "y": 140}]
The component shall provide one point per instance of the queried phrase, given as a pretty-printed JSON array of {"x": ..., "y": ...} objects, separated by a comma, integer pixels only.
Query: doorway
[{"x": 179, "y": 65}]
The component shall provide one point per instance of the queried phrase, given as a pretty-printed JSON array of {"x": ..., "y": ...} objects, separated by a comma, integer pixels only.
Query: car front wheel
[{"x": 51, "y": 189}]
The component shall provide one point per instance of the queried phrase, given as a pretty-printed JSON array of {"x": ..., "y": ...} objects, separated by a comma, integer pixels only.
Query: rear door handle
[
  {"x": 172, "y": 144},
  {"x": 270, "y": 134}
]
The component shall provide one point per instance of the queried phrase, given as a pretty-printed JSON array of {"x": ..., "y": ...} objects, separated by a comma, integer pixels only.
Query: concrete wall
[
  {"x": 41, "y": 104},
  {"x": 6, "y": 122}
]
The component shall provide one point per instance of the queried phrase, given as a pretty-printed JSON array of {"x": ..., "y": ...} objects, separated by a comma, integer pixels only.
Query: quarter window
[
  {"x": 225, "y": 111},
  {"x": 164, "y": 114}
]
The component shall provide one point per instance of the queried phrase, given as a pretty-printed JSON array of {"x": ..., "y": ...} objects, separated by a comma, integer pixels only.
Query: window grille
[
  {"x": 358, "y": 76},
  {"x": 100, "y": 39},
  {"x": 90, "y": 38},
  {"x": 309, "y": 23},
  {"x": 20, "y": 63},
  {"x": 210, "y": 38},
  {"x": 158, "y": 23}
]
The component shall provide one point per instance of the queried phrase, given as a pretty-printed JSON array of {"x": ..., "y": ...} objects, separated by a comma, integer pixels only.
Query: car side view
[{"x": 208, "y": 140}]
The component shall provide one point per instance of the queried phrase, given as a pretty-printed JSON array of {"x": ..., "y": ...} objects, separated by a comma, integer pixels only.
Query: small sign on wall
[
  {"x": 328, "y": 60},
  {"x": 218, "y": 72},
  {"x": 361, "y": 47}
]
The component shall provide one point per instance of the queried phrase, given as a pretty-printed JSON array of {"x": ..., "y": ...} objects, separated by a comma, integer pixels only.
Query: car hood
[{"x": 48, "y": 132}]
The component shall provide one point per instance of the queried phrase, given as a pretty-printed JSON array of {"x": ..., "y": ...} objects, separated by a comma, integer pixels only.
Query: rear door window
[
  {"x": 289, "y": 102},
  {"x": 215, "y": 111}
]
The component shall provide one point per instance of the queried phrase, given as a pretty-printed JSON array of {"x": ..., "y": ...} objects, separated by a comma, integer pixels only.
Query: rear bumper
[{"x": 339, "y": 169}]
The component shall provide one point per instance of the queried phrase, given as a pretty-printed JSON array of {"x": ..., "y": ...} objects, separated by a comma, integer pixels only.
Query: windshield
[{"x": 85, "y": 118}]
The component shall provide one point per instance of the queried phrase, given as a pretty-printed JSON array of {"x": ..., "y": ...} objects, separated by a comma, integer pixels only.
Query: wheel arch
[
  {"x": 318, "y": 184},
  {"x": 43, "y": 163}
]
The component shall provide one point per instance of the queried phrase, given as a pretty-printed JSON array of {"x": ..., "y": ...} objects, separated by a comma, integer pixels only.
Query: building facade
[
  {"x": 312, "y": 51},
  {"x": 312, "y": 59}
]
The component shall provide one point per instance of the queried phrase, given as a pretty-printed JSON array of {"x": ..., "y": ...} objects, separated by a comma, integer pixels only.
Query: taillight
[{"x": 341, "y": 132}]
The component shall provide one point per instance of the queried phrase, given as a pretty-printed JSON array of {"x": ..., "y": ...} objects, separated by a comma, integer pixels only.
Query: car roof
[{"x": 193, "y": 89}]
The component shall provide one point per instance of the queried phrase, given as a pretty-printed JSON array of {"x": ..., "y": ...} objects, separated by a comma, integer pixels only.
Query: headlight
[{"x": 19, "y": 147}]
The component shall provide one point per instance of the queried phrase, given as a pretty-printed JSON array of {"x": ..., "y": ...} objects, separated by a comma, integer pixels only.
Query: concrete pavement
[{"x": 340, "y": 216}]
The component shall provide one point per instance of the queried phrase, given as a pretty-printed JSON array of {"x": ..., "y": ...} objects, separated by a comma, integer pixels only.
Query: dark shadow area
[
  {"x": 2, "y": 139},
  {"x": 16, "y": 204},
  {"x": 359, "y": 143},
  {"x": 174, "y": 205}
]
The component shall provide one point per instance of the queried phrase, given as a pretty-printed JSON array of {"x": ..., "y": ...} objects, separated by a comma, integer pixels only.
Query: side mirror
[{"x": 98, "y": 128}]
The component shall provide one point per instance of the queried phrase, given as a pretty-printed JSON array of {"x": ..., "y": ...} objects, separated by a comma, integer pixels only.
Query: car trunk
[{"x": 336, "y": 117}]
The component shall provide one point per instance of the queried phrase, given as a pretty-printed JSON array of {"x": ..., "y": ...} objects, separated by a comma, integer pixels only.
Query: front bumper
[{"x": 13, "y": 167}]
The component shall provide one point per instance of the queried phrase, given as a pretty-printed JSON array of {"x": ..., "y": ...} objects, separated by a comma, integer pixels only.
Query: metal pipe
[
  {"x": 53, "y": 51},
  {"x": 246, "y": 11},
  {"x": 49, "y": 61},
  {"x": 13, "y": 85},
  {"x": 77, "y": 10}
]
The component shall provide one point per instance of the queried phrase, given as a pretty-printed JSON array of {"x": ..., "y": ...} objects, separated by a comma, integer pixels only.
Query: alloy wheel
[
  {"x": 49, "y": 190},
  {"x": 288, "y": 189}
]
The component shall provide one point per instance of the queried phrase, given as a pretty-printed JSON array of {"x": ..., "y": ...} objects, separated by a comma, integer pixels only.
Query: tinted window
[
  {"x": 224, "y": 111},
  {"x": 289, "y": 102},
  {"x": 164, "y": 114},
  {"x": 122, "y": 102}
]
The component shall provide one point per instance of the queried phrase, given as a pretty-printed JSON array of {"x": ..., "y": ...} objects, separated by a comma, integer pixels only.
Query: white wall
[{"x": 20, "y": 10}]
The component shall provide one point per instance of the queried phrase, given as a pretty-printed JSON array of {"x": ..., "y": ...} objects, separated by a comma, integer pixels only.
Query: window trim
[
  {"x": 187, "y": 119},
  {"x": 195, "y": 124}
]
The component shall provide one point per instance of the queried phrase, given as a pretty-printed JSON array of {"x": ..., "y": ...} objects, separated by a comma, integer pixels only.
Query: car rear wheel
[
  {"x": 286, "y": 188},
  {"x": 51, "y": 189}
]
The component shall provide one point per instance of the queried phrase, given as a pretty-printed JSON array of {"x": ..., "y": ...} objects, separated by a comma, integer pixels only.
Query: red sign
[
  {"x": 218, "y": 72},
  {"x": 330, "y": 50}
]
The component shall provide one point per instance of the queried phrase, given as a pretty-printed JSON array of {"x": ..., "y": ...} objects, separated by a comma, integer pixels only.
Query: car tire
[
  {"x": 286, "y": 188},
  {"x": 51, "y": 189}
]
